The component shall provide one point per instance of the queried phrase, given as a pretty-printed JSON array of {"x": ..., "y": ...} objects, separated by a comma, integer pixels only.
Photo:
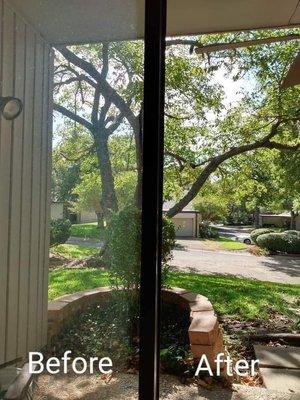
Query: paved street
[{"x": 193, "y": 256}]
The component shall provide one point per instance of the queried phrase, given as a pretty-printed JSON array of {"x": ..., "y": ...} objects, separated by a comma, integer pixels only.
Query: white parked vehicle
[{"x": 244, "y": 239}]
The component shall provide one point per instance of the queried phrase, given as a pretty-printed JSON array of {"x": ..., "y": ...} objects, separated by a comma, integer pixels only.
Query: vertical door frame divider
[{"x": 152, "y": 189}]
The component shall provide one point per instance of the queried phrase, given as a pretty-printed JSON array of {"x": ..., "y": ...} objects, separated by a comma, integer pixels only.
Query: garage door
[{"x": 184, "y": 226}]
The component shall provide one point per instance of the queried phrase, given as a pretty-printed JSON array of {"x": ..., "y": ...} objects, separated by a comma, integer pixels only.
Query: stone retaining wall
[{"x": 204, "y": 332}]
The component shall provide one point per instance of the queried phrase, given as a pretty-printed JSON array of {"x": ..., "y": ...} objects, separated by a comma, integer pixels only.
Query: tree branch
[
  {"x": 214, "y": 163},
  {"x": 73, "y": 116},
  {"x": 281, "y": 146},
  {"x": 107, "y": 91}
]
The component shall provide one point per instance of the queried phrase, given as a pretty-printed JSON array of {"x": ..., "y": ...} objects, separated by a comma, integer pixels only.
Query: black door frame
[{"x": 152, "y": 188}]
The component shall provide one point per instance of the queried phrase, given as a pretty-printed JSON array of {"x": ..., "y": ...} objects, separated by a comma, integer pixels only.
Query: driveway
[{"x": 193, "y": 256}]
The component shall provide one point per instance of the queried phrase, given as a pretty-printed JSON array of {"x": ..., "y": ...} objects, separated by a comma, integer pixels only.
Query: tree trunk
[
  {"x": 108, "y": 200},
  {"x": 256, "y": 217},
  {"x": 293, "y": 220},
  {"x": 100, "y": 222}
]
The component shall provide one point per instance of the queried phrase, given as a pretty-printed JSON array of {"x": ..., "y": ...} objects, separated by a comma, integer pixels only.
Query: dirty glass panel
[{"x": 95, "y": 227}]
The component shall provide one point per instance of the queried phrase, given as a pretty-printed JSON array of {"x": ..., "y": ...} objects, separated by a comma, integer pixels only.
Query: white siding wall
[
  {"x": 25, "y": 146},
  {"x": 185, "y": 224},
  {"x": 57, "y": 210},
  {"x": 88, "y": 216}
]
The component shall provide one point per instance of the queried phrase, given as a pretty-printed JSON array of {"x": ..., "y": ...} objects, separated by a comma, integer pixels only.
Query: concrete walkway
[
  {"x": 84, "y": 242},
  {"x": 192, "y": 256}
]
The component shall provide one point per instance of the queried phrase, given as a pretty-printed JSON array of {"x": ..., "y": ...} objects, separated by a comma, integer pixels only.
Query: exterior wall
[
  {"x": 57, "y": 210},
  {"x": 298, "y": 223},
  {"x": 25, "y": 146},
  {"x": 275, "y": 220},
  {"x": 87, "y": 216},
  {"x": 192, "y": 217}
]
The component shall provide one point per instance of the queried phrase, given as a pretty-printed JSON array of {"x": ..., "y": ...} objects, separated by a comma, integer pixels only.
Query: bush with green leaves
[
  {"x": 207, "y": 231},
  {"x": 124, "y": 246},
  {"x": 124, "y": 255},
  {"x": 284, "y": 242},
  {"x": 168, "y": 238},
  {"x": 260, "y": 231},
  {"x": 60, "y": 231},
  {"x": 292, "y": 232}
]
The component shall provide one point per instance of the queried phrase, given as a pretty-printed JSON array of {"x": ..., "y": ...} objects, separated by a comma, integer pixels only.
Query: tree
[
  {"x": 203, "y": 133},
  {"x": 88, "y": 194},
  {"x": 267, "y": 117},
  {"x": 106, "y": 83}
]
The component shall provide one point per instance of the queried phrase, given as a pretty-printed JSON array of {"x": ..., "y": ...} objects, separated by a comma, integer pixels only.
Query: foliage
[
  {"x": 201, "y": 123},
  {"x": 124, "y": 249},
  {"x": 124, "y": 246},
  {"x": 177, "y": 360},
  {"x": 88, "y": 231},
  {"x": 260, "y": 231},
  {"x": 101, "y": 329},
  {"x": 280, "y": 242},
  {"x": 60, "y": 230},
  {"x": 247, "y": 299},
  {"x": 97, "y": 331},
  {"x": 74, "y": 251},
  {"x": 292, "y": 232},
  {"x": 212, "y": 206},
  {"x": 168, "y": 238},
  {"x": 207, "y": 231},
  {"x": 88, "y": 193}
]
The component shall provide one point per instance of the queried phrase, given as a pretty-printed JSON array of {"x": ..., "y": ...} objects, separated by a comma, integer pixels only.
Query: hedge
[
  {"x": 285, "y": 242},
  {"x": 257, "y": 232},
  {"x": 60, "y": 231}
]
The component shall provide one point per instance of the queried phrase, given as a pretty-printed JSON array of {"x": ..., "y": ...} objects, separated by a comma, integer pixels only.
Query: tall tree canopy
[{"x": 100, "y": 87}]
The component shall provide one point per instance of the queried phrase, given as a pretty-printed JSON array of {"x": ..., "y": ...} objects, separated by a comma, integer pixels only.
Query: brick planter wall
[{"x": 204, "y": 332}]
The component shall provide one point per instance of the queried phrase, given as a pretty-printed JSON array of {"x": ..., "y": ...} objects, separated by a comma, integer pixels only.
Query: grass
[
  {"x": 244, "y": 298},
  {"x": 68, "y": 281},
  {"x": 223, "y": 243},
  {"x": 89, "y": 230},
  {"x": 74, "y": 251}
]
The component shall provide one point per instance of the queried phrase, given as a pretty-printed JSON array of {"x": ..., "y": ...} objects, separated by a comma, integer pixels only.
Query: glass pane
[
  {"x": 99, "y": 162},
  {"x": 231, "y": 192},
  {"x": 81, "y": 313}
]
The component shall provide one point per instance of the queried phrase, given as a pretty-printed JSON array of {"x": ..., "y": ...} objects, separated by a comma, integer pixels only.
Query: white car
[{"x": 244, "y": 239}]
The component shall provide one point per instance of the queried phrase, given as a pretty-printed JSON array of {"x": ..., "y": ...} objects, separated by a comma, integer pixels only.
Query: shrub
[
  {"x": 291, "y": 232},
  {"x": 60, "y": 231},
  {"x": 208, "y": 232},
  {"x": 260, "y": 231},
  {"x": 124, "y": 246},
  {"x": 168, "y": 235},
  {"x": 124, "y": 255},
  {"x": 280, "y": 242}
]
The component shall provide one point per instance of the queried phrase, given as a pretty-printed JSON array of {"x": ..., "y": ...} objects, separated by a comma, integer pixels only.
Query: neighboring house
[
  {"x": 85, "y": 216},
  {"x": 186, "y": 222},
  {"x": 282, "y": 220},
  {"x": 57, "y": 210}
]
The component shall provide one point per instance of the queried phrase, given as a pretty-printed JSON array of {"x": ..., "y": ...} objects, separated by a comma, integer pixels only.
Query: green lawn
[
  {"x": 244, "y": 298},
  {"x": 223, "y": 243},
  {"x": 74, "y": 251},
  {"x": 68, "y": 281},
  {"x": 89, "y": 230}
]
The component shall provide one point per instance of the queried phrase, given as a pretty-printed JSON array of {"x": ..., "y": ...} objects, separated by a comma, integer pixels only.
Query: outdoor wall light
[{"x": 10, "y": 107}]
